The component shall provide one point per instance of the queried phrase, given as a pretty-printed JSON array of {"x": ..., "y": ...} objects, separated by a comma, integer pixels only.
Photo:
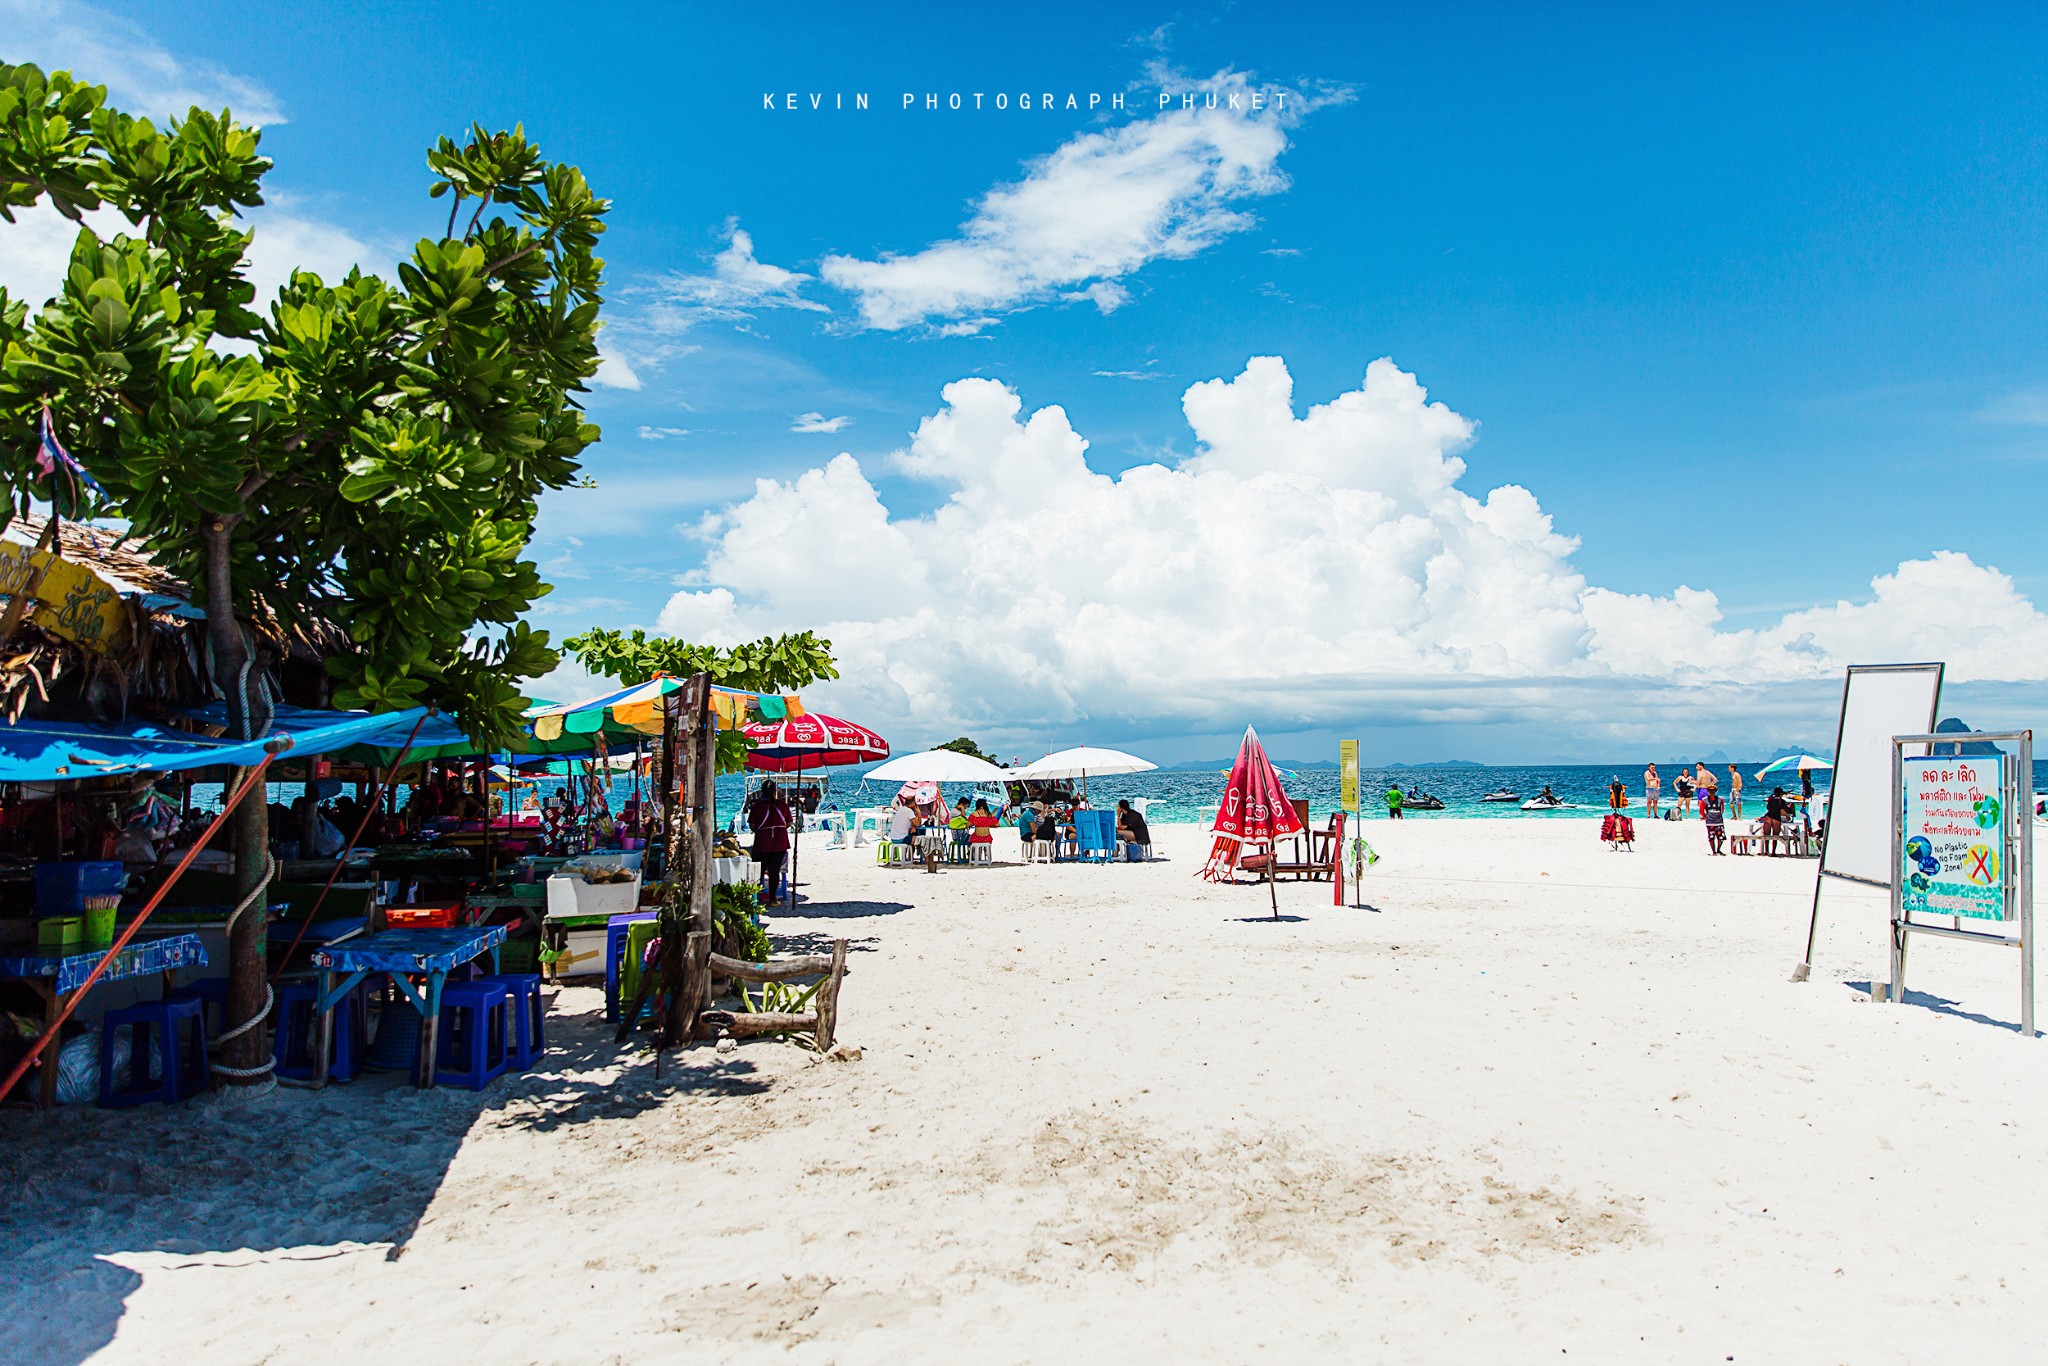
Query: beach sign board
[
  {"x": 1957, "y": 842},
  {"x": 1347, "y": 766},
  {"x": 70, "y": 600},
  {"x": 1963, "y": 848}
]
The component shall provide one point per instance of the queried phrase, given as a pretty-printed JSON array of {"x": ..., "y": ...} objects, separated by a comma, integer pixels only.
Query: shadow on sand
[
  {"x": 1941, "y": 1005},
  {"x": 301, "y": 1170}
]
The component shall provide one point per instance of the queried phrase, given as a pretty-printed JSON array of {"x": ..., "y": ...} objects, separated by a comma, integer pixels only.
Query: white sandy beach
[{"x": 1544, "y": 1101}]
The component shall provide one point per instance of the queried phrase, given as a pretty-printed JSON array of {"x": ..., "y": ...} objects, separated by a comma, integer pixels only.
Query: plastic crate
[
  {"x": 519, "y": 955},
  {"x": 423, "y": 917},
  {"x": 62, "y": 888}
]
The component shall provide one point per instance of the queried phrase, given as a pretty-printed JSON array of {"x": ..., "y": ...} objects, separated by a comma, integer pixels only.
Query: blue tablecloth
[
  {"x": 139, "y": 959},
  {"x": 411, "y": 950}
]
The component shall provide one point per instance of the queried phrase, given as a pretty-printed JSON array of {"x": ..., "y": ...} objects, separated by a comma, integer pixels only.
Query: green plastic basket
[{"x": 519, "y": 955}]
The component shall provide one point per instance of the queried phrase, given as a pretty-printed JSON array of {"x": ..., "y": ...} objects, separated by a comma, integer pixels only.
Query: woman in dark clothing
[{"x": 768, "y": 817}]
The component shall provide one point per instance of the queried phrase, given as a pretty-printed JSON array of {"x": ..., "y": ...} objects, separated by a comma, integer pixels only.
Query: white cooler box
[{"x": 572, "y": 896}]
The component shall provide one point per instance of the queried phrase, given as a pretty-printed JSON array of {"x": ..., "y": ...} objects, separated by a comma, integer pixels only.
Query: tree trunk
[{"x": 248, "y": 943}]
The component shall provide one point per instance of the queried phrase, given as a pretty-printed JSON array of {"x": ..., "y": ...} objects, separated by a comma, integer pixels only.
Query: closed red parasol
[{"x": 1254, "y": 810}]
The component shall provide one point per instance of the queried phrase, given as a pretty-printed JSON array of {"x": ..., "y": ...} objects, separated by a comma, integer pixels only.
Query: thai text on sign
[
  {"x": 1954, "y": 849},
  {"x": 70, "y": 600}
]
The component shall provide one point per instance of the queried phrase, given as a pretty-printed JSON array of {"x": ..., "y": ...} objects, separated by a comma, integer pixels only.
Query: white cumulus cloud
[
  {"x": 1096, "y": 209},
  {"x": 818, "y": 422},
  {"x": 143, "y": 77},
  {"x": 1306, "y": 570}
]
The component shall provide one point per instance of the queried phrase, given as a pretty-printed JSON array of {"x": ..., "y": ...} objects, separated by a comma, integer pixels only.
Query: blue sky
[{"x": 1744, "y": 300}]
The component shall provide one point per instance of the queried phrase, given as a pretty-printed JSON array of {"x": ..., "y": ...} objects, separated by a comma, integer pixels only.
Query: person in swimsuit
[{"x": 1653, "y": 788}]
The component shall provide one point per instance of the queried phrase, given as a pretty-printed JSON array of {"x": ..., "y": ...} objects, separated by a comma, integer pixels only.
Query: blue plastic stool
[
  {"x": 212, "y": 995},
  {"x": 529, "y": 1024},
  {"x": 474, "y": 1020},
  {"x": 397, "y": 1045},
  {"x": 616, "y": 932},
  {"x": 176, "y": 1032},
  {"x": 298, "y": 1033}
]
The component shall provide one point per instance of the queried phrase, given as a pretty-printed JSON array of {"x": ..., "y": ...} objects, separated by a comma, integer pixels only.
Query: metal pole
[
  {"x": 1896, "y": 990},
  {"x": 2022, "y": 811}
]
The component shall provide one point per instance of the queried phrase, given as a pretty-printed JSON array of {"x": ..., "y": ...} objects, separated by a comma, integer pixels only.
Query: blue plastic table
[
  {"x": 399, "y": 956},
  {"x": 56, "y": 977}
]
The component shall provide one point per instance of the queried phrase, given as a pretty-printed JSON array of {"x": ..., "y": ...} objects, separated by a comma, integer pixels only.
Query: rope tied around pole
[{"x": 255, "y": 1021}]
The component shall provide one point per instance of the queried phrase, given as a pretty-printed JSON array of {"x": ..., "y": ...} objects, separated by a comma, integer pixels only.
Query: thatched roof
[{"x": 161, "y": 657}]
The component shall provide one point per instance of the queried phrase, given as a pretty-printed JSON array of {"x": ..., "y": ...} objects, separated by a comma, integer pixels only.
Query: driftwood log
[{"x": 821, "y": 1022}]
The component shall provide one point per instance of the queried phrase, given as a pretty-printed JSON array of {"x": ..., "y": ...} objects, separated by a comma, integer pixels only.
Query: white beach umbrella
[
  {"x": 937, "y": 766},
  {"x": 1081, "y": 761}
]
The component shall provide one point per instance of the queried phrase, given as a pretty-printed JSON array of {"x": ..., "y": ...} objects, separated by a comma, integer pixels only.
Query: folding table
[
  {"x": 56, "y": 977},
  {"x": 399, "y": 956}
]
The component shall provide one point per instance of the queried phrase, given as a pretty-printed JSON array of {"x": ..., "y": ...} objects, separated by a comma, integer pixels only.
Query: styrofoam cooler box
[
  {"x": 569, "y": 896},
  {"x": 614, "y": 858}
]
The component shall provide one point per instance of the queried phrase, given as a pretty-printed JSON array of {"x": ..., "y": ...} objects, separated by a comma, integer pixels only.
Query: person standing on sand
[
  {"x": 1681, "y": 793},
  {"x": 1394, "y": 802},
  {"x": 1710, "y": 814},
  {"x": 1704, "y": 784},
  {"x": 769, "y": 817},
  {"x": 1653, "y": 787},
  {"x": 1735, "y": 791}
]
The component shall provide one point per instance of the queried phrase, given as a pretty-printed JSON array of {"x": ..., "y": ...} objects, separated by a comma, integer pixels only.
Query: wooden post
[
  {"x": 703, "y": 832},
  {"x": 828, "y": 997},
  {"x": 696, "y": 990},
  {"x": 686, "y": 900},
  {"x": 679, "y": 865}
]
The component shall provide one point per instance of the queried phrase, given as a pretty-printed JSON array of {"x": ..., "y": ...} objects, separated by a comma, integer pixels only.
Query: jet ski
[
  {"x": 1553, "y": 804},
  {"x": 1502, "y": 795},
  {"x": 1418, "y": 800}
]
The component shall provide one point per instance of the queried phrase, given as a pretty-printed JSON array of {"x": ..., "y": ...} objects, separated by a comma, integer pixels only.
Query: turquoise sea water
[{"x": 1180, "y": 797}]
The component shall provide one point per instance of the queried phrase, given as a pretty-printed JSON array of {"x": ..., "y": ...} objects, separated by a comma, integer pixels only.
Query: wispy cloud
[
  {"x": 818, "y": 422},
  {"x": 663, "y": 433},
  {"x": 1128, "y": 374},
  {"x": 614, "y": 372},
  {"x": 1096, "y": 209},
  {"x": 737, "y": 287},
  {"x": 141, "y": 75},
  {"x": 2019, "y": 408}
]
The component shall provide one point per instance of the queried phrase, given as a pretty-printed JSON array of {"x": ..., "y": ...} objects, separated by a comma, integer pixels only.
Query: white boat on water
[
  {"x": 1502, "y": 795},
  {"x": 1554, "y": 804}
]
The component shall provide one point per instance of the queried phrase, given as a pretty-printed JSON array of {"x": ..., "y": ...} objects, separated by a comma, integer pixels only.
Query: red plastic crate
[{"x": 439, "y": 917}]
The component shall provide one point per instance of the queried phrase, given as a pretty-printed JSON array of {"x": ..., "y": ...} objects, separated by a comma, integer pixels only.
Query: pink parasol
[
  {"x": 1254, "y": 810},
  {"x": 923, "y": 798}
]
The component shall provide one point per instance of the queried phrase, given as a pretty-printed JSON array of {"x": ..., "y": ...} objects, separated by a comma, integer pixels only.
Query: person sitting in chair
[{"x": 1131, "y": 828}]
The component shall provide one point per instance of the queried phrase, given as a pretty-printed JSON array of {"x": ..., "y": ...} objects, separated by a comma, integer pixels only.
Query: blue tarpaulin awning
[{"x": 39, "y": 751}]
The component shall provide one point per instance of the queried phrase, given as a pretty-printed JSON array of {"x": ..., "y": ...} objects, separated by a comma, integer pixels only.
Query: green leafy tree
[
  {"x": 372, "y": 451},
  {"x": 368, "y": 450},
  {"x": 964, "y": 745},
  {"x": 771, "y": 664}
]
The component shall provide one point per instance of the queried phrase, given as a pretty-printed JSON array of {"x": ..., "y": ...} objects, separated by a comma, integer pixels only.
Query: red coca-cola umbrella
[
  {"x": 812, "y": 740},
  {"x": 1254, "y": 810}
]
